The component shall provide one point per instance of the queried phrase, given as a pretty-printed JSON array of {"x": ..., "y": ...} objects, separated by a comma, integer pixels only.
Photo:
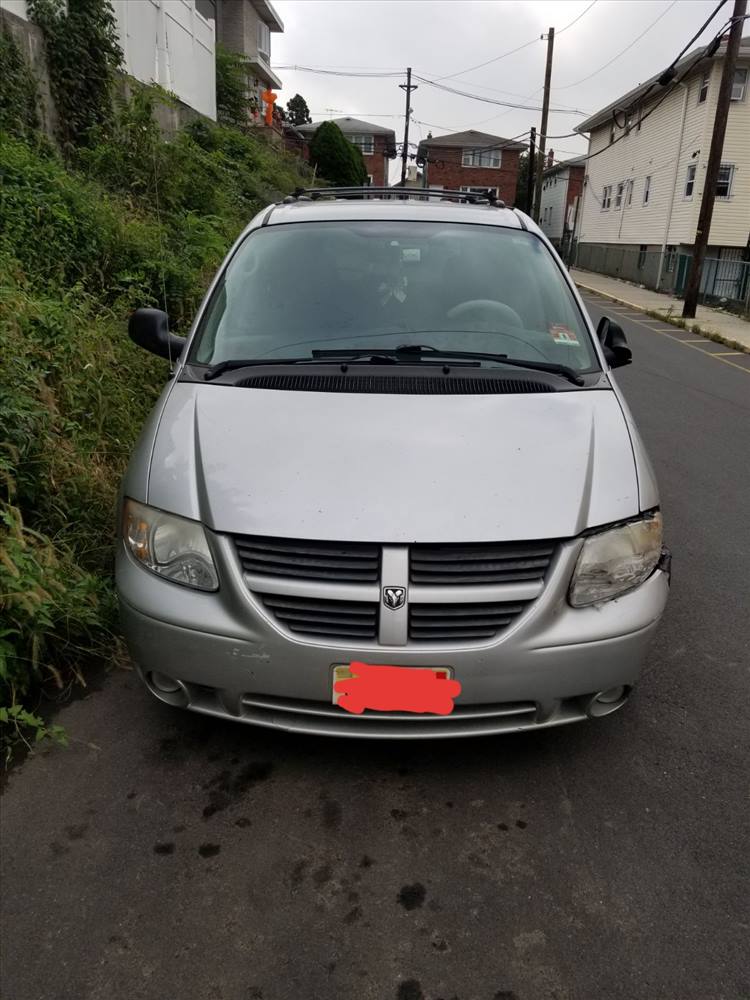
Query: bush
[
  {"x": 337, "y": 159},
  {"x": 82, "y": 243},
  {"x": 232, "y": 82}
]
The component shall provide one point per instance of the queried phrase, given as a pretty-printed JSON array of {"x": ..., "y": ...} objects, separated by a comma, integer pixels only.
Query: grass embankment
[{"x": 81, "y": 244}]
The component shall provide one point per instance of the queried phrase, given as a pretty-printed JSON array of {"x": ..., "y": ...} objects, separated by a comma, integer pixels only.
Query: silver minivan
[{"x": 391, "y": 488}]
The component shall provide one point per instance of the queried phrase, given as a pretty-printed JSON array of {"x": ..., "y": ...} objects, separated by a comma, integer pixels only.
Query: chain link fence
[{"x": 725, "y": 280}]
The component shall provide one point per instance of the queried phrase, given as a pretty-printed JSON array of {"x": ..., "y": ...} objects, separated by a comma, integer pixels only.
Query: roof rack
[{"x": 398, "y": 193}]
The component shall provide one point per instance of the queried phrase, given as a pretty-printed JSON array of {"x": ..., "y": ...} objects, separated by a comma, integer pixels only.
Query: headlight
[
  {"x": 171, "y": 546},
  {"x": 616, "y": 560}
]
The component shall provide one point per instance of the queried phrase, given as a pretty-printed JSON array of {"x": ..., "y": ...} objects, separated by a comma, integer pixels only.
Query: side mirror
[
  {"x": 149, "y": 328},
  {"x": 612, "y": 338}
]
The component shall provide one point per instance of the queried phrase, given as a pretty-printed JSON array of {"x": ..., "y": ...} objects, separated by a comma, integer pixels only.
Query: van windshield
[{"x": 294, "y": 288}]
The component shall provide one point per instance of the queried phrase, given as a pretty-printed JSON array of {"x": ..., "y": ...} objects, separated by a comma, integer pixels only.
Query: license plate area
[{"x": 375, "y": 687}]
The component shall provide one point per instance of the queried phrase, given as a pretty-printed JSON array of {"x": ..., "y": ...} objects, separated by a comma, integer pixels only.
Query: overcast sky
[{"x": 445, "y": 38}]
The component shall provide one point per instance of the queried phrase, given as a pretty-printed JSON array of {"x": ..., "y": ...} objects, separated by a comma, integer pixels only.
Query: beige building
[
  {"x": 245, "y": 27},
  {"x": 645, "y": 173}
]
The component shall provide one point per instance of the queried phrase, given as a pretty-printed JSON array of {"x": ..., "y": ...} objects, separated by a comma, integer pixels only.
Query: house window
[
  {"x": 670, "y": 258},
  {"x": 642, "y": 255},
  {"x": 646, "y": 190},
  {"x": 629, "y": 200},
  {"x": 264, "y": 40},
  {"x": 724, "y": 180},
  {"x": 481, "y": 158},
  {"x": 364, "y": 143},
  {"x": 606, "y": 197},
  {"x": 628, "y": 122},
  {"x": 618, "y": 195},
  {"x": 690, "y": 180},
  {"x": 739, "y": 85},
  {"x": 703, "y": 92}
]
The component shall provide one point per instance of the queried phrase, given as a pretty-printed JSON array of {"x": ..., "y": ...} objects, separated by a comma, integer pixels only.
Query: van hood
[{"x": 392, "y": 468}]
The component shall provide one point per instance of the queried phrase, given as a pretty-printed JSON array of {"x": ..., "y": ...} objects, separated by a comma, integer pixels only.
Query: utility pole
[
  {"x": 408, "y": 87},
  {"x": 550, "y": 36},
  {"x": 714, "y": 160},
  {"x": 530, "y": 172}
]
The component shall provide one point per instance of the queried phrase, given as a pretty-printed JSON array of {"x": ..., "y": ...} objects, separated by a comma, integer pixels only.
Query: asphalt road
[{"x": 599, "y": 861}]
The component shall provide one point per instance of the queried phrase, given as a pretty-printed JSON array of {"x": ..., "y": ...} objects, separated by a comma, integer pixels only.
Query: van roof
[{"x": 330, "y": 210}]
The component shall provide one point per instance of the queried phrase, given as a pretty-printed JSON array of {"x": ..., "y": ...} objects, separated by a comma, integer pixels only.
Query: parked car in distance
[{"x": 392, "y": 488}]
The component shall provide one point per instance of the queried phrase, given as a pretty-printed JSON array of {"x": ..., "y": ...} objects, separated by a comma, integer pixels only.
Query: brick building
[
  {"x": 472, "y": 161},
  {"x": 378, "y": 145}
]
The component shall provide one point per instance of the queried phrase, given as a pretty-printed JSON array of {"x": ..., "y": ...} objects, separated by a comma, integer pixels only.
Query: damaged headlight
[
  {"x": 171, "y": 546},
  {"x": 616, "y": 560}
]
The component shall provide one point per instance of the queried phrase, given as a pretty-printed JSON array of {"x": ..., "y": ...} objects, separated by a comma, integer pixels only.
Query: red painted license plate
[{"x": 381, "y": 688}]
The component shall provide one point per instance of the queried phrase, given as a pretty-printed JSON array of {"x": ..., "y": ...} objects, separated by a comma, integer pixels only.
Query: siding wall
[
  {"x": 169, "y": 43},
  {"x": 654, "y": 151},
  {"x": 553, "y": 204}
]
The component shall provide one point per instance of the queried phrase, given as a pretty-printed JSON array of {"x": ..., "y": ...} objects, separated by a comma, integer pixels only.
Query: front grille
[
  {"x": 320, "y": 617},
  {"x": 502, "y": 562},
  {"x": 336, "y": 562},
  {"x": 433, "y": 622},
  {"x": 408, "y": 385}
]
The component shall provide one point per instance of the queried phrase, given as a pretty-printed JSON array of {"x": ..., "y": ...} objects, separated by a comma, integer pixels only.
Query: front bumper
[{"x": 233, "y": 661}]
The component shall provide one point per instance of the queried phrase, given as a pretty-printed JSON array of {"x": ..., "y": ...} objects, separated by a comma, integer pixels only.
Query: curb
[{"x": 681, "y": 325}]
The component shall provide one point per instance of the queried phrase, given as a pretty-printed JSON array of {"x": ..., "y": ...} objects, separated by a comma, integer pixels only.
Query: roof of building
[
  {"x": 574, "y": 161},
  {"x": 352, "y": 126},
  {"x": 652, "y": 84},
  {"x": 470, "y": 139},
  {"x": 266, "y": 11}
]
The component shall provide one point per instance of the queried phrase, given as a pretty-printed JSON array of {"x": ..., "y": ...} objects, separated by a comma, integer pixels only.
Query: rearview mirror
[
  {"x": 614, "y": 343},
  {"x": 149, "y": 328}
]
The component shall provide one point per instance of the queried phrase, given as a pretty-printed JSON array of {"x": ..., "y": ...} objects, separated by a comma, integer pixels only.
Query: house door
[{"x": 683, "y": 266}]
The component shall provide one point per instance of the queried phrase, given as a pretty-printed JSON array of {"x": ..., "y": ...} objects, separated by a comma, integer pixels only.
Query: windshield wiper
[
  {"x": 375, "y": 355},
  {"x": 233, "y": 364},
  {"x": 427, "y": 351},
  {"x": 370, "y": 355}
]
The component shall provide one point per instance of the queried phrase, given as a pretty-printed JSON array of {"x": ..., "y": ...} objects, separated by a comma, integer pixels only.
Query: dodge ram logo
[{"x": 394, "y": 597}]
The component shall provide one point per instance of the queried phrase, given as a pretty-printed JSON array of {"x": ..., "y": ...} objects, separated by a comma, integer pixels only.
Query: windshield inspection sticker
[{"x": 563, "y": 334}]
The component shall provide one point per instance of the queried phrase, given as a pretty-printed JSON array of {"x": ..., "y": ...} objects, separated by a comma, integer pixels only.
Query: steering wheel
[{"x": 486, "y": 310}]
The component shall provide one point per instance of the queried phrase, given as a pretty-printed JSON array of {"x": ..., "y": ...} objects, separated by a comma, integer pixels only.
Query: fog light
[
  {"x": 165, "y": 684},
  {"x": 167, "y": 689},
  {"x": 611, "y": 696},
  {"x": 606, "y": 701}
]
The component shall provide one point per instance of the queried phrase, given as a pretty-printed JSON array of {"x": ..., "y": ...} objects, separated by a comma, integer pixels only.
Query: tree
[
  {"x": 523, "y": 180},
  {"x": 337, "y": 159},
  {"x": 297, "y": 111}
]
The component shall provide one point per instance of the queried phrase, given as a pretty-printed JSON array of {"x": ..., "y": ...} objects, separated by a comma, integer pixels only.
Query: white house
[
  {"x": 560, "y": 205},
  {"x": 169, "y": 42},
  {"x": 645, "y": 170}
]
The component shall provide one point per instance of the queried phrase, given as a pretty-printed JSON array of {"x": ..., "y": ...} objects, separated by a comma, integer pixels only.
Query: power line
[
  {"x": 336, "y": 72},
  {"x": 502, "y": 144},
  {"x": 577, "y": 19},
  {"x": 700, "y": 56},
  {"x": 609, "y": 62},
  {"x": 495, "y": 101},
  {"x": 495, "y": 59},
  {"x": 511, "y": 52}
]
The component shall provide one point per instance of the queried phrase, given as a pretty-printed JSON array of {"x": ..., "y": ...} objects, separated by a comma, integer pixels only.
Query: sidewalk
[{"x": 711, "y": 321}]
